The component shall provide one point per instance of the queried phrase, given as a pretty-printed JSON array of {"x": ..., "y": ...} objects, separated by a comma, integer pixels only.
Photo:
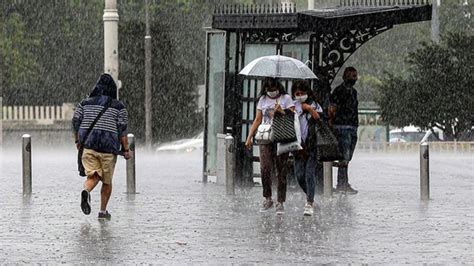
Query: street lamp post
[
  {"x": 111, "y": 59},
  {"x": 435, "y": 20},
  {"x": 148, "y": 129}
]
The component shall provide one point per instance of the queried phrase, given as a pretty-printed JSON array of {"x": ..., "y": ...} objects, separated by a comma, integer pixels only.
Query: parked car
[
  {"x": 414, "y": 134},
  {"x": 183, "y": 145}
]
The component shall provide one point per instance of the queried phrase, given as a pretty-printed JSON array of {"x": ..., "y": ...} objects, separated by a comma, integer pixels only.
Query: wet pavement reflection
[{"x": 177, "y": 219}]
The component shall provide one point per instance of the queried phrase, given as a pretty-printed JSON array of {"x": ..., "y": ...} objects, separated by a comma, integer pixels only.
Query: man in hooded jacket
[{"x": 103, "y": 142}]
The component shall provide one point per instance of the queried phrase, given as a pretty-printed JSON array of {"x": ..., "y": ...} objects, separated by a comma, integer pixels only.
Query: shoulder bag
[
  {"x": 283, "y": 127},
  {"x": 263, "y": 135},
  {"x": 326, "y": 143}
]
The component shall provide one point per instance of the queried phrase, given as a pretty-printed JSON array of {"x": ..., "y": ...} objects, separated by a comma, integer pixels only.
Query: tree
[
  {"x": 437, "y": 92},
  {"x": 174, "y": 86},
  {"x": 51, "y": 61},
  {"x": 386, "y": 53},
  {"x": 52, "y": 50},
  {"x": 14, "y": 46},
  {"x": 456, "y": 16}
]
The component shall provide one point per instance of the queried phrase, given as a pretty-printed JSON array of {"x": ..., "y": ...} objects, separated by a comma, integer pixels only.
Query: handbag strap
[
  {"x": 279, "y": 99},
  {"x": 89, "y": 130}
]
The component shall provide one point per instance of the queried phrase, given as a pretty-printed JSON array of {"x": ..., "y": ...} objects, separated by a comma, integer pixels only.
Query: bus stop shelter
[{"x": 323, "y": 38}]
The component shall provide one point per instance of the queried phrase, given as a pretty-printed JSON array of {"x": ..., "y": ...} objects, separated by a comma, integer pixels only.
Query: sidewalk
[{"x": 177, "y": 219}]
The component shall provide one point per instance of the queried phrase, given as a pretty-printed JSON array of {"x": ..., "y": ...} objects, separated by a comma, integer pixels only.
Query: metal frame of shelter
[{"x": 325, "y": 38}]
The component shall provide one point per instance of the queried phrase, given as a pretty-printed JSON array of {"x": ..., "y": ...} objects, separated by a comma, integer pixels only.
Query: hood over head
[{"x": 105, "y": 86}]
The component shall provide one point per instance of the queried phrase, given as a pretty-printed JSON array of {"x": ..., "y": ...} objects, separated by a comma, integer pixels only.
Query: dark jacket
[
  {"x": 105, "y": 136},
  {"x": 346, "y": 102}
]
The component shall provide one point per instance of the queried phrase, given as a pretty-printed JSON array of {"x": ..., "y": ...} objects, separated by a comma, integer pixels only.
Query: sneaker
[
  {"x": 86, "y": 202},
  {"x": 267, "y": 204},
  {"x": 280, "y": 210},
  {"x": 347, "y": 189},
  {"x": 350, "y": 190},
  {"x": 104, "y": 215},
  {"x": 308, "y": 209}
]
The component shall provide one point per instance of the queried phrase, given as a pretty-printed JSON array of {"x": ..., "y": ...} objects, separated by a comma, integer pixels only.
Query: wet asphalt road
[{"x": 177, "y": 219}]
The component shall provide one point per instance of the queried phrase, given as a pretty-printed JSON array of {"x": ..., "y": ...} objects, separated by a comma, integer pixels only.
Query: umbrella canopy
[{"x": 278, "y": 66}]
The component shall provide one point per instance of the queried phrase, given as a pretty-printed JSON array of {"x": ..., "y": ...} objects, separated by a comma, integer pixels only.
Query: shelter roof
[{"x": 343, "y": 17}]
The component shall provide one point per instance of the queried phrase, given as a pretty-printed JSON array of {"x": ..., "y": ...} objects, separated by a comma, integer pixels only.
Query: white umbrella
[{"x": 278, "y": 66}]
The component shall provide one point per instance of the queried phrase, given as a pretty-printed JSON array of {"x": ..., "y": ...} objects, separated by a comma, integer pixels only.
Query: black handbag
[
  {"x": 80, "y": 166},
  {"x": 283, "y": 127},
  {"x": 327, "y": 144}
]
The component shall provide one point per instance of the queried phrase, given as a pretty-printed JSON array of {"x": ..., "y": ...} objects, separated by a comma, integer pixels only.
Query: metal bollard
[
  {"x": 424, "y": 171},
  {"x": 327, "y": 179},
  {"x": 229, "y": 165},
  {"x": 131, "y": 189},
  {"x": 26, "y": 152}
]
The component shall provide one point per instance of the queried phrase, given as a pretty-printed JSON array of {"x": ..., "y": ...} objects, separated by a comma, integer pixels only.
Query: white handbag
[{"x": 263, "y": 135}]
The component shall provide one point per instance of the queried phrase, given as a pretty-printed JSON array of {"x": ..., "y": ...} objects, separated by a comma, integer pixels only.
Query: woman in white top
[
  {"x": 273, "y": 98},
  {"x": 305, "y": 160}
]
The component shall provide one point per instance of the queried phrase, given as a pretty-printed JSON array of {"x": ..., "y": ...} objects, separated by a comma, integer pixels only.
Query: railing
[
  {"x": 242, "y": 9},
  {"x": 437, "y": 146},
  {"x": 37, "y": 113},
  {"x": 383, "y": 2}
]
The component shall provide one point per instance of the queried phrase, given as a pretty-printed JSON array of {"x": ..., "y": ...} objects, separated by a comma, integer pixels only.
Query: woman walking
[
  {"x": 273, "y": 98},
  {"x": 305, "y": 160}
]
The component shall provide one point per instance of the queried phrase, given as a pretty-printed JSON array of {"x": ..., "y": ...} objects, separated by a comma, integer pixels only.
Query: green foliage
[
  {"x": 433, "y": 89},
  {"x": 456, "y": 16},
  {"x": 14, "y": 43},
  {"x": 52, "y": 52},
  {"x": 437, "y": 92},
  {"x": 365, "y": 85},
  {"x": 386, "y": 53},
  {"x": 174, "y": 106}
]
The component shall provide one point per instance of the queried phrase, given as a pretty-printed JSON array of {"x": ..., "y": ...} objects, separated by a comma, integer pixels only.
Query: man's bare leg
[
  {"x": 105, "y": 193},
  {"x": 89, "y": 185},
  {"x": 91, "y": 182}
]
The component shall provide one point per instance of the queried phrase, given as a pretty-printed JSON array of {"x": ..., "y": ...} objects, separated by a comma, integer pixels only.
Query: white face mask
[
  {"x": 301, "y": 98},
  {"x": 273, "y": 94}
]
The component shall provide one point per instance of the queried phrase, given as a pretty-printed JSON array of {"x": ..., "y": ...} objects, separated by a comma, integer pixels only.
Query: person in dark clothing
[
  {"x": 343, "y": 117},
  {"x": 105, "y": 141}
]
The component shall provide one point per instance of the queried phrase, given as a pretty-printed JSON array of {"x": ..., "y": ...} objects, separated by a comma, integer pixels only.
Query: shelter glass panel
[
  {"x": 251, "y": 87},
  {"x": 215, "y": 92},
  {"x": 298, "y": 51},
  {"x": 254, "y": 51},
  {"x": 232, "y": 53}
]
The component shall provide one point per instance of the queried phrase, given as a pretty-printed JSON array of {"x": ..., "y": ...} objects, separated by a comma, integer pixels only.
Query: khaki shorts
[{"x": 101, "y": 163}]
